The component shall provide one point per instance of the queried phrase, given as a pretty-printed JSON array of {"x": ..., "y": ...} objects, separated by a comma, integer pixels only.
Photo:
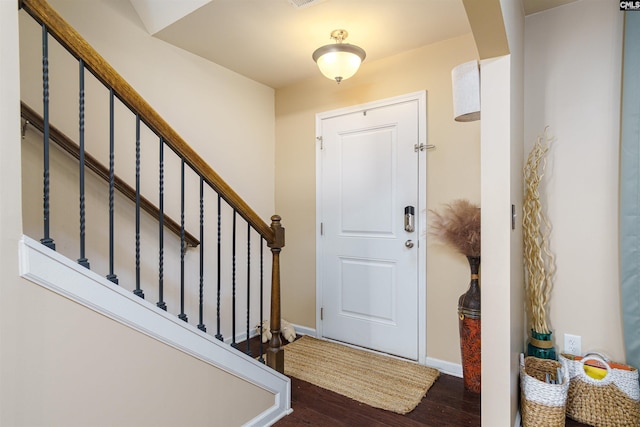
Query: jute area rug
[{"x": 373, "y": 379}]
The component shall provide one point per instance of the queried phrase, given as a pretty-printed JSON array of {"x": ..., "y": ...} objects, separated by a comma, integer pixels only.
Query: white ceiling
[{"x": 271, "y": 41}]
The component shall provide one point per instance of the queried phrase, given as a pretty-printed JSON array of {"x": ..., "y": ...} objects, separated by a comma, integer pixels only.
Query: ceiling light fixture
[{"x": 339, "y": 61}]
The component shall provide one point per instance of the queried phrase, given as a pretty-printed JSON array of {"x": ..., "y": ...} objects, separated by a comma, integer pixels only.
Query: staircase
[{"x": 182, "y": 260}]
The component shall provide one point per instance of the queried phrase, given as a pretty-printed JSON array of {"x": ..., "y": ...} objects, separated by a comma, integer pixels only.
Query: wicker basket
[
  {"x": 610, "y": 401},
  {"x": 541, "y": 403}
]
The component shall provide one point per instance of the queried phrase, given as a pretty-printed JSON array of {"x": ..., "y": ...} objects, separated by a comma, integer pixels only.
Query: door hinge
[
  {"x": 321, "y": 313},
  {"x": 319, "y": 138}
]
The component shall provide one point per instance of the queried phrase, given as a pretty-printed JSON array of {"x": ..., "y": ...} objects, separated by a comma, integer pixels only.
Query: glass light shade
[{"x": 339, "y": 61}]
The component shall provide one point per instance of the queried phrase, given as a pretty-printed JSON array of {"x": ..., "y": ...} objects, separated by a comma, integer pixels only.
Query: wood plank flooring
[{"x": 446, "y": 404}]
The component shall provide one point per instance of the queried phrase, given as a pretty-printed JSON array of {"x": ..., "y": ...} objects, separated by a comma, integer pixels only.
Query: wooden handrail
[
  {"x": 68, "y": 37},
  {"x": 66, "y": 144}
]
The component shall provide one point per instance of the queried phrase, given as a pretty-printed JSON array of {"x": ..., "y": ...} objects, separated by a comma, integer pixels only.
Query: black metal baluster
[
  {"x": 111, "y": 276},
  {"x": 248, "y": 352},
  {"x": 83, "y": 261},
  {"x": 46, "y": 240},
  {"x": 261, "y": 358},
  {"x": 233, "y": 282},
  {"x": 218, "y": 335},
  {"x": 201, "y": 325},
  {"x": 182, "y": 315},
  {"x": 138, "y": 291},
  {"x": 161, "y": 302}
]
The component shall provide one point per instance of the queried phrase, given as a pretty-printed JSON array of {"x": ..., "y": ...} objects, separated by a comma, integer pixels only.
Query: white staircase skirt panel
[{"x": 53, "y": 271}]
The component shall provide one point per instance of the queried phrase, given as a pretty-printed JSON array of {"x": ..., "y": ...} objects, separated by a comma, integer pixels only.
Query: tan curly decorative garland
[{"x": 538, "y": 259}]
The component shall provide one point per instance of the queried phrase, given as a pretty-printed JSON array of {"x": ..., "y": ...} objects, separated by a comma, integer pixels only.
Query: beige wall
[
  {"x": 496, "y": 249},
  {"x": 453, "y": 172},
  {"x": 514, "y": 21},
  {"x": 498, "y": 28},
  {"x": 62, "y": 364},
  {"x": 66, "y": 365},
  {"x": 573, "y": 72},
  {"x": 208, "y": 105},
  {"x": 501, "y": 160}
]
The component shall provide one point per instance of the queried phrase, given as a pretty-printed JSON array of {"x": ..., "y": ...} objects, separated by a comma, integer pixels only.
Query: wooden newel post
[{"x": 275, "y": 353}]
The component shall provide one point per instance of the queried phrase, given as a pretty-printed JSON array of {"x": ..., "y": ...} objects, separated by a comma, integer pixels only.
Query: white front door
[{"x": 369, "y": 261}]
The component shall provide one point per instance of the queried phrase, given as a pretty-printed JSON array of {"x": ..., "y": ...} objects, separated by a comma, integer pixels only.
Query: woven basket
[
  {"x": 541, "y": 403},
  {"x": 612, "y": 401}
]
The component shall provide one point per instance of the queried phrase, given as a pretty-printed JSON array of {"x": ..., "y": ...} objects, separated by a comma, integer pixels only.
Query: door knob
[{"x": 408, "y": 244}]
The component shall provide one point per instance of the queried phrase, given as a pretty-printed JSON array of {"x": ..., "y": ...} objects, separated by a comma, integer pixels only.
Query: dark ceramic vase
[{"x": 469, "y": 326}]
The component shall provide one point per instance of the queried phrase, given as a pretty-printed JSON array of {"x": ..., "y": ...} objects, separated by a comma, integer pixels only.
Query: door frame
[{"x": 421, "y": 231}]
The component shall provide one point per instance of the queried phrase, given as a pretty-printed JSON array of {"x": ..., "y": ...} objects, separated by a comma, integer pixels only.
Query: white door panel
[
  {"x": 370, "y": 290},
  {"x": 367, "y": 160}
]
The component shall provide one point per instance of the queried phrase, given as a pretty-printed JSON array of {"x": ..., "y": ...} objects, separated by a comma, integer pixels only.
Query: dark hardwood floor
[{"x": 446, "y": 404}]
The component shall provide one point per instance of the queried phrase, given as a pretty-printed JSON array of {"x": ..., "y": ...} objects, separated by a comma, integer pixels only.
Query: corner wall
[
  {"x": 499, "y": 31},
  {"x": 572, "y": 84}
]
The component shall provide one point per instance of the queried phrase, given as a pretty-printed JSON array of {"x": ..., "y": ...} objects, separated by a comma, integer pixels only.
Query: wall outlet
[{"x": 573, "y": 344}]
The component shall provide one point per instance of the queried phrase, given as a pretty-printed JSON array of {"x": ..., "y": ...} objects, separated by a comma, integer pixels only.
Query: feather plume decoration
[{"x": 458, "y": 225}]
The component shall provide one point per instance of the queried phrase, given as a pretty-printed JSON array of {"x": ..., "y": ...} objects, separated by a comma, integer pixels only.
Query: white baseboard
[
  {"x": 445, "y": 367},
  {"x": 51, "y": 270},
  {"x": 303, "y": 330}
]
